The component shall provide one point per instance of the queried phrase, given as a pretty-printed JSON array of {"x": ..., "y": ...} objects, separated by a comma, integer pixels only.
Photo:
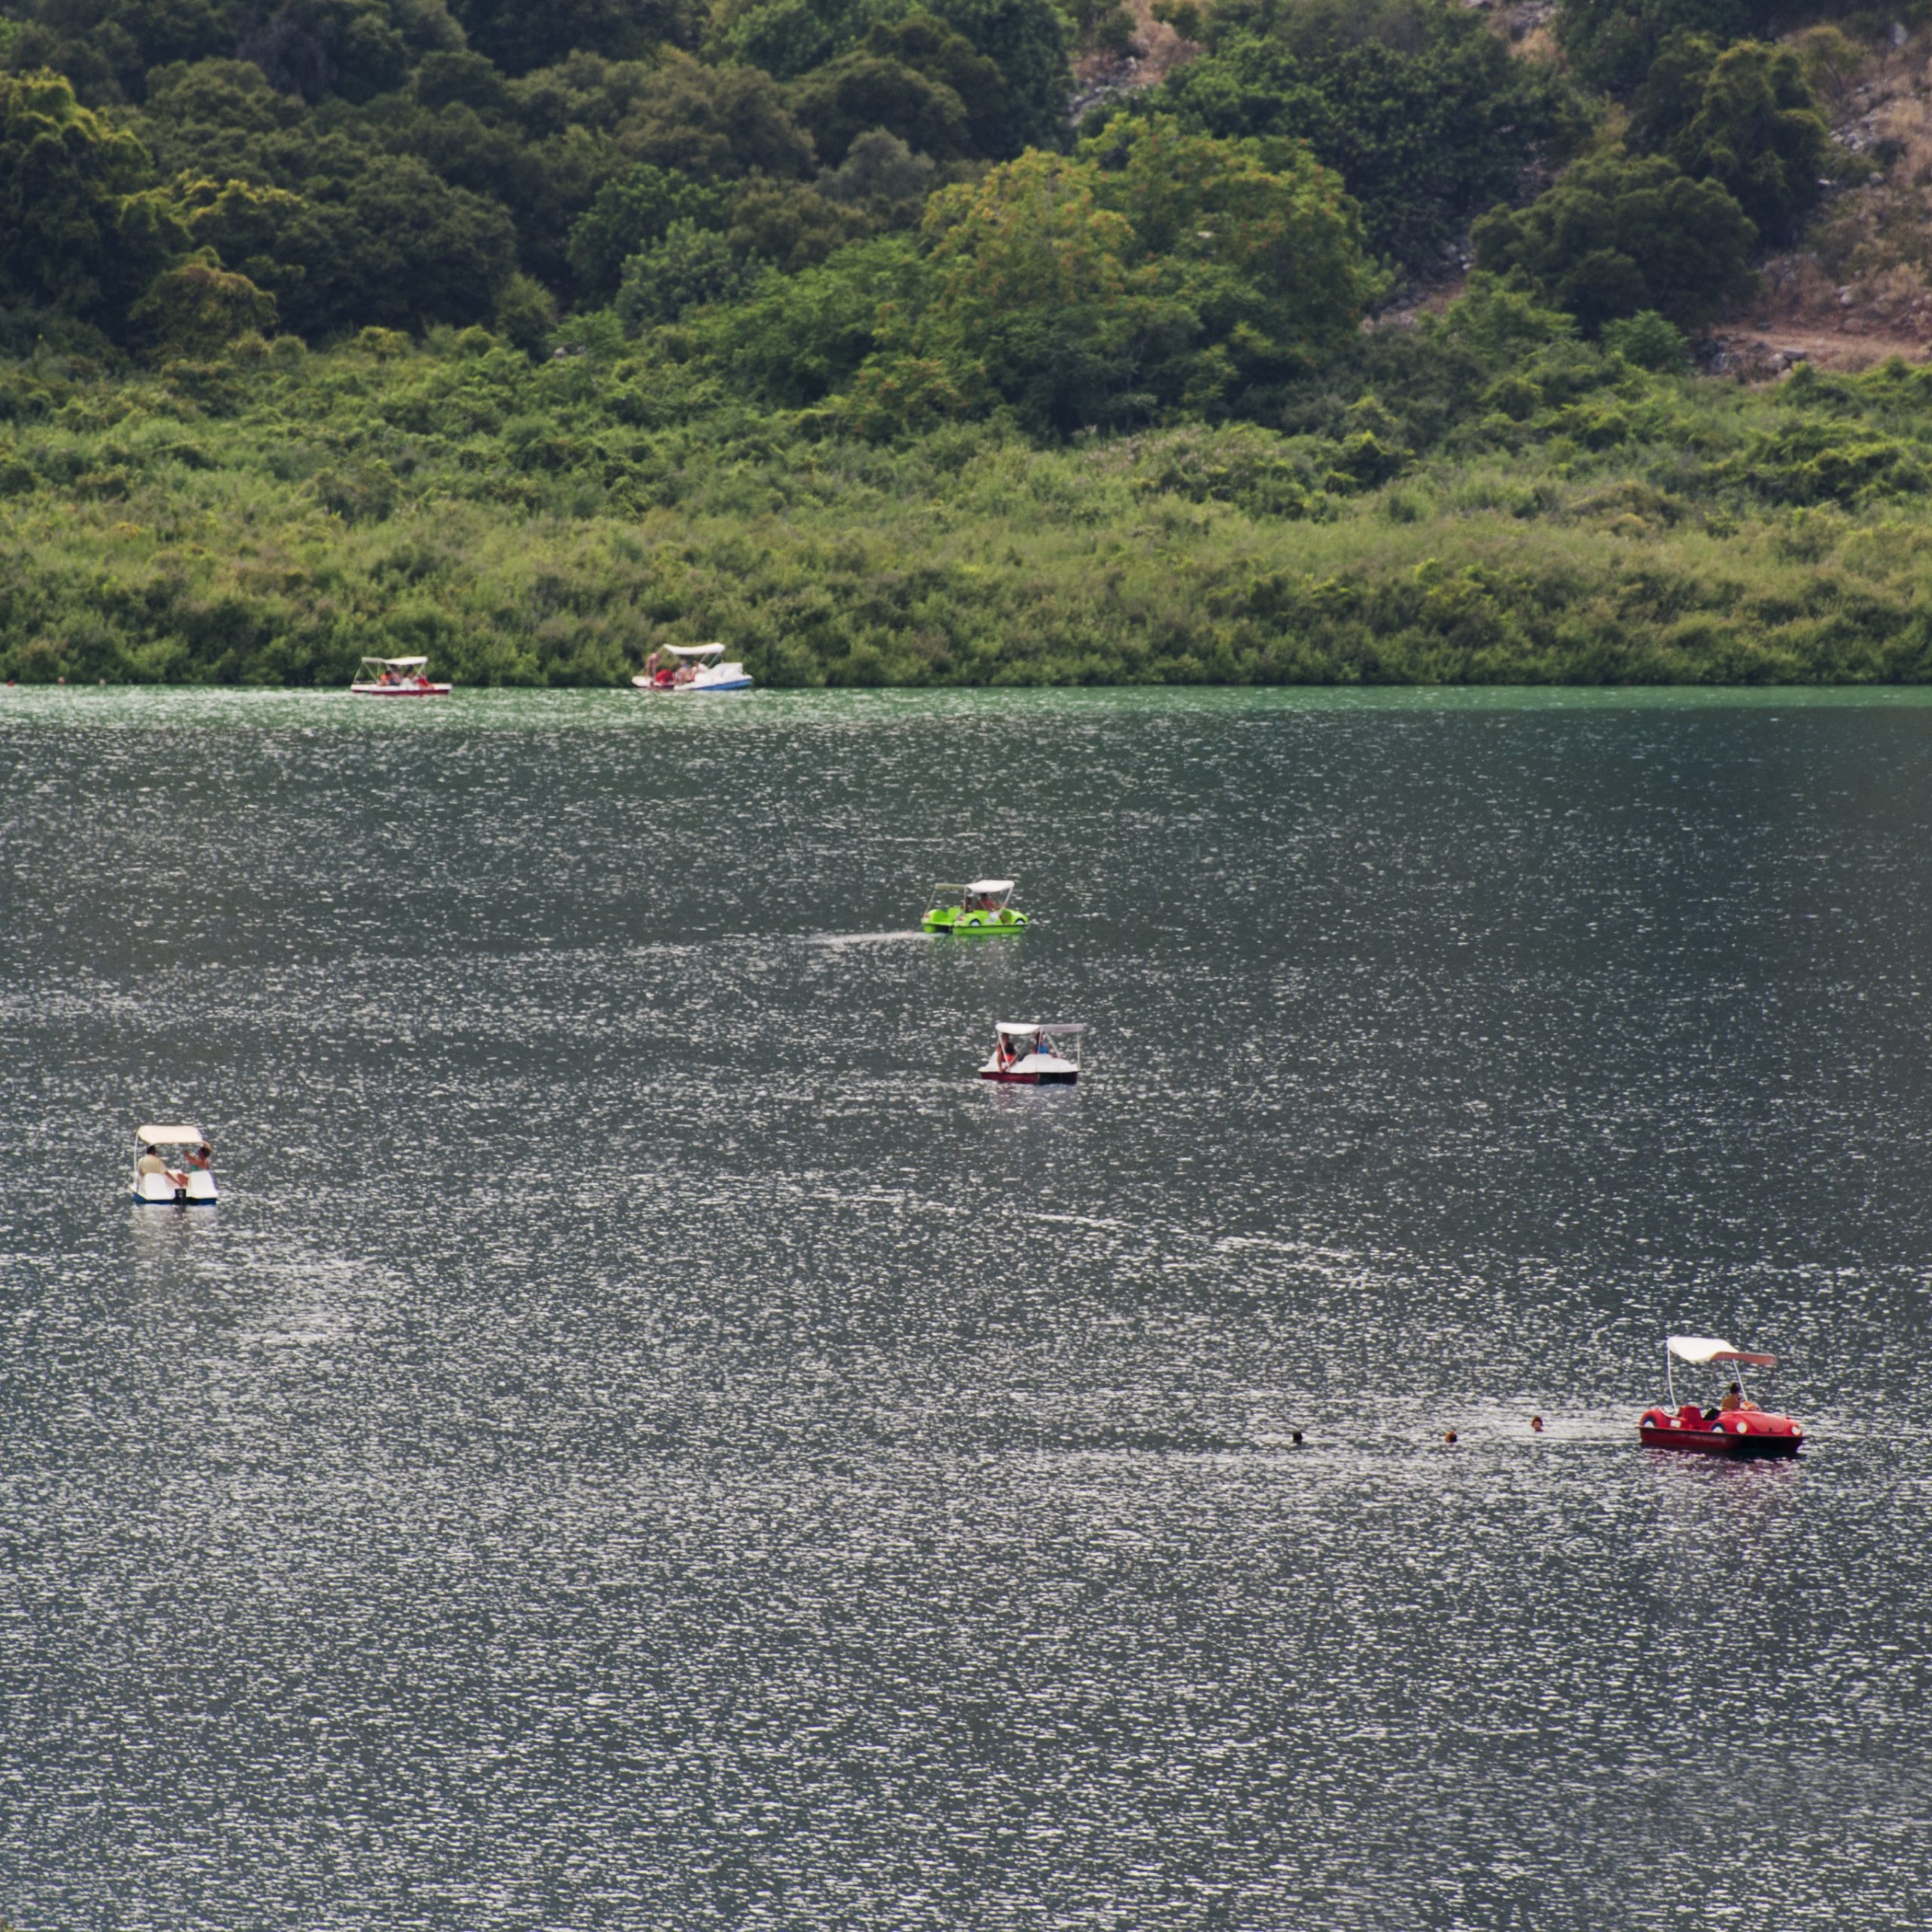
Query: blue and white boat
[{"x": 700, "y": 668}]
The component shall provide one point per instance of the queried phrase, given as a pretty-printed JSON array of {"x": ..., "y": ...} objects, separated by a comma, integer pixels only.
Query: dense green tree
[
  {"x": 123, "y": 39},
  {"x": 194, "y": 108},
  {"x": 352, "y": 48},
  {"x": 840, "y": 101},
  {"x": 716, "y": 123},
  {"x": 788, "y": 223},
  {"x": 1273, "y": 215},
  {"x": 1427, "y": 120},
  {"x": 584, "y": 93},
  {"x": 518, "y": 36},
  {"x": 787, "y": 38},
  {"x": 928, "y": 46},
  {"x": 1025, "y": 40},
  {"x": 220, "y": 120},
  {"x": 84, "y": 228},
  {"x": 633, "y": 213},
  {"x": 378, "y": 239},
  {"x": 1743, "y": 117},
  {"x": 459, "y": 78},
  {"x": 691, "y": 268},
  {"x": 526, "y": 315},
  {"x": 1611, "y": 43},
  {"x": 795, "y": 340},
  {"x": 1158, "y": 270},
  {"x": 1646, "y": 340},
  {"x": 880, "y": 172},
  {"x": 248, "y": 226},
  {"x": 199, "y": 308},
  {"x": 1618, "y": 233}
]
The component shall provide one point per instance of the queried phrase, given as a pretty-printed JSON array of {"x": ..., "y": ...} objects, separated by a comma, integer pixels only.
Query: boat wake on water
[{"x": 859, "y": 939}]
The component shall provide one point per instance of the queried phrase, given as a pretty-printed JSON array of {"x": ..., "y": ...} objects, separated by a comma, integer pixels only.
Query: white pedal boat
[
  {"x": 700, "y": 668},
  {"x": 190, "y": 1185},
  {"x": 1022, "y": 1056},
  {"x": 397, "y": 677}
]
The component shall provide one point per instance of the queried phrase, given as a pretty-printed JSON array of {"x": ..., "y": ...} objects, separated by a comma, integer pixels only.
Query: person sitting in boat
[
  {"x": 151, "y": 1163},
  {"x": 1734, "y": 1399},
  {"x": 201, "y": 1158}
]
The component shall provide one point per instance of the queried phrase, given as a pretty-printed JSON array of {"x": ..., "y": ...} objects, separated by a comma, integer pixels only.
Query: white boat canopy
[
  {"x": 398, "y": 663},
  {"x": 988, "y": 885},
  {"x": 1711, "y": 1348},
  {"x": 696, "y": 649},
  {"x": 169, "y": 1136},
  {"x": 1034, "y": 1027}
]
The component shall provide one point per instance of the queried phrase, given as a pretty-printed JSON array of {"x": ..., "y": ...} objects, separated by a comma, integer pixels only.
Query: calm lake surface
[{"x": 648, "y": 1440}]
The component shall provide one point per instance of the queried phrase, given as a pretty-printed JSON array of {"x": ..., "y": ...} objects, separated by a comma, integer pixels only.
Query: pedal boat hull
[
  {"x": 398, "y": 691},
  {"x": 1033, "y": 1070},
  {"x": 1744, "y": 1434},
  {"x": 949, "y": 923},
  {"x": 157, "y": 1191}
]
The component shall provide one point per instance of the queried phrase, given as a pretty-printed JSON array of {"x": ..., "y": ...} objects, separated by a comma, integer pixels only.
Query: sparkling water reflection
[{"x": 648, "y": 1440}]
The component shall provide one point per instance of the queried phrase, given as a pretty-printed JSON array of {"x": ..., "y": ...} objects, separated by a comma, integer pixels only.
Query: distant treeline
[
  {"x": 1490, "y": 496},
  {"x": 500, "y": 330}
]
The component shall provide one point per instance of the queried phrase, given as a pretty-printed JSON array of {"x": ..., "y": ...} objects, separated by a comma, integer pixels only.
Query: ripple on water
[{"x": 647, "y": 1438}]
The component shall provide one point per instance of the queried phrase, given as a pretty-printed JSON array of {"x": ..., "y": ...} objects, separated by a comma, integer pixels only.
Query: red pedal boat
[{"x": 1736, "y": 1427}]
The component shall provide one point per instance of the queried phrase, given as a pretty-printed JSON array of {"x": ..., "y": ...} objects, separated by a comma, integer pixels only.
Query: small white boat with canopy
[
  {"x": 1028, "y": 1052},
  {"x": 397, "y": 677},
  {"x": 699, "y": 668},
  {"x": 188, "y": 1181}
]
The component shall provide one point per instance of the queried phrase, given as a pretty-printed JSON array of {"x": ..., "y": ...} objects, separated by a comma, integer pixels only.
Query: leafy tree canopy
[
  {"x": 83, "y": 227},
  {"x": 634, "y": 212},
  {"x": 1026, "y": 41},
  {"x": 841, "y": 100},
  {"x": 1421, "y": 111},
  {"x": 879, "y": 171},
  {"x": 1157, "y": 268},
  {"x": 1618, "y": 234},
  {"x": 517, "y": 36},
  {"x": 199, "y": 308},
  {"x": 714, "y": 123},
  {"x": 1743, "y": 117},
  {"x": 690, "y": 269},
  {"x": 1610, "y": 44}
]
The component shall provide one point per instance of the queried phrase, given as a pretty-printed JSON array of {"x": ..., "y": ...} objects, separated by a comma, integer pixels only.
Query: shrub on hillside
[
  {"x": 1743, "y": 117},
  {"x": 1618, "y": 233}
]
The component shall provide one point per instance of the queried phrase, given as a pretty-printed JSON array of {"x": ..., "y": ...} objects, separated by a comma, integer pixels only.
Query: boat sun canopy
[
  {"x": 1030, "y": 1026},
  {"x": 169, "y": 1136},
  {"x": 1711, "y": 1348},
  {"x": 397, "y": 663},
  {"x": 696, "y": 649},
  {"x": 986, "y": 885}
]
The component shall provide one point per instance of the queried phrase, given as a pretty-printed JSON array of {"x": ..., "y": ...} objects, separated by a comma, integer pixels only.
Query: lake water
[{"x": 648, "y": 1440}]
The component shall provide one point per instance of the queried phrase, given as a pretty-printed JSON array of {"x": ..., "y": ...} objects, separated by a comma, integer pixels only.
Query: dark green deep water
[{"x": 647, "y": 1441}]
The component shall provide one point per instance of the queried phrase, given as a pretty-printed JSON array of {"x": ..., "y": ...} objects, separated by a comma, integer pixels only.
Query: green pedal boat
[{"x": 981, "y": 910}]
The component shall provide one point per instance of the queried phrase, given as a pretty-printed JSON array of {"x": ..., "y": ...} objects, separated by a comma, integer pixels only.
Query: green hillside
[{"x": 534, "y": 338}]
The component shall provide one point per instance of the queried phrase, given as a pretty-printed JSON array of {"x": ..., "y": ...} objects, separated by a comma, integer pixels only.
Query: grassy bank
[{"x": 267, "y": 518}]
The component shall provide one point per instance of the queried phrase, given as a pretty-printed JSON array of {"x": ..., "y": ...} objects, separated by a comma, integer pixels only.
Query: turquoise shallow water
[{"x": 647, "y": 1439}]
